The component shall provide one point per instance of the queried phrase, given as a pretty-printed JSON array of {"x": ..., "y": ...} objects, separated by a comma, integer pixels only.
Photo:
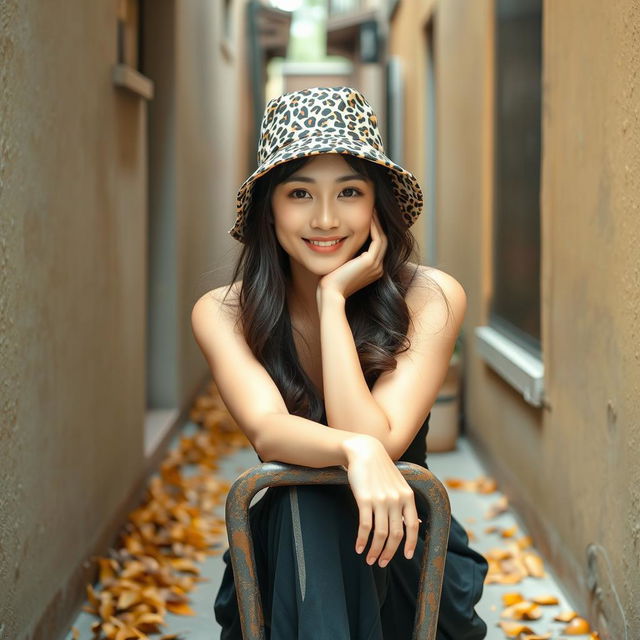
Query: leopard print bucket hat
[{"x": 324, "y": 120}]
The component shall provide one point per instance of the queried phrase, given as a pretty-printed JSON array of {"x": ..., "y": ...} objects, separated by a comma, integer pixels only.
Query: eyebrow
[{"x": 354, "y": 176}]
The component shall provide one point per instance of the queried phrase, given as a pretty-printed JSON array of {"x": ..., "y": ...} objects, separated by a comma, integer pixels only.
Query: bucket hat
[{"x": 322, "y": 120}]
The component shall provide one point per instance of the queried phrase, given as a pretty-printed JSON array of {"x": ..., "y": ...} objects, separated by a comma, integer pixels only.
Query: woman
[{"x": 331, "y": 351}]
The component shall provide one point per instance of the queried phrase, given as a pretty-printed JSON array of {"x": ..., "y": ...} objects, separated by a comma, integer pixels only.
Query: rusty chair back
[{"x": 273, "y": 474}]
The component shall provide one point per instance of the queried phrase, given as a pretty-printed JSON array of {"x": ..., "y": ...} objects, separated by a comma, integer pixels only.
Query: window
[
  {"x": 515, "y": 308},
  {"x": 511, "y": 344}
]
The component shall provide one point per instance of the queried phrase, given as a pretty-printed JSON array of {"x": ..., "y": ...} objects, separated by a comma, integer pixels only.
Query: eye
[
  {"x": 298, "y": 194},
  {"x": 351, "y": 192}
]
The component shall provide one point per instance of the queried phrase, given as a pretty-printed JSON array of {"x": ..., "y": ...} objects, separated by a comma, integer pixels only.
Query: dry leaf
[
  {"x": 166, "y": 537},
  {"x": 533, "y": 563},
  {"x": 522, "y": 611},
  {"x": 498, "y": 507},
  {"x": 511, "y": 597},
  {"x": 514, "y": 629},
  {"x": 545, "y": 600},
  {"x": 565, "y": 616},
  {"x": 578, "y": 626},
  {"x": 180, "y": 609}
]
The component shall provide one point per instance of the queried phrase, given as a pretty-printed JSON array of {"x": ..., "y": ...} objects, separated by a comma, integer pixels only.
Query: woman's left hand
[{"x": 361, "y": 270}]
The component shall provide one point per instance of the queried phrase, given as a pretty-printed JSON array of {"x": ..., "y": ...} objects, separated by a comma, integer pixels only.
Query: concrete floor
[{"x": 469, "y": 509}]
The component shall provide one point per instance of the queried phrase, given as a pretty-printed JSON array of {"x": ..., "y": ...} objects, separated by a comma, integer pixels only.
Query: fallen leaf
[
  {"x": 565, "y": 616},
  {"x": 180, "y": 609},
  {"x": 514, "y": 629},
  {"x": 522, "y": 611},
  {"x": 511, "y": 597},
  {"x": 498, "y": 507},
  {"x": 578, "y": 626},
  {"x": 545, "y": 600},
  {"x": 533, "y": 563}
]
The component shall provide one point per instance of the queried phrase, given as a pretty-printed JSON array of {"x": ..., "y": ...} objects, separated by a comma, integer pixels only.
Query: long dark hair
[{"x": 377, "y": 314}]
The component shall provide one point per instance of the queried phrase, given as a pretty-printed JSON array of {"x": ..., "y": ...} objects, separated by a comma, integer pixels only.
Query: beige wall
[
  {"x": 74, "y": 205},
  {"x": 199, "y": 125},
  {"x": 72, "y": 211},
  {"x": 572, "y": 469}
]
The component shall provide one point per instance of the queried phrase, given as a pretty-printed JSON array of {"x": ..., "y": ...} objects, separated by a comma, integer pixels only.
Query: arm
[
  {"x": 253, "y": 399},
  {"x": 400, "y": 400}
]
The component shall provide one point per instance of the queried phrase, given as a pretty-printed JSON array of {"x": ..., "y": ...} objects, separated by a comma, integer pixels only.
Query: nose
[{"x": 324, "y": 216}]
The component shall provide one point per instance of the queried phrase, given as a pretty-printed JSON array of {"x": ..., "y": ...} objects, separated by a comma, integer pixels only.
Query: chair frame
[{"x": 274, "y": 474}]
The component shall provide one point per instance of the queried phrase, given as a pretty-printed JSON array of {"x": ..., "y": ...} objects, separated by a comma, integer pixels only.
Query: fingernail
[
  {"x": 359, "y": 548},
  {"x": 370, "y": 560},
  {"x": 384, "y": 563},
  {"x": 409, "y": 554}
]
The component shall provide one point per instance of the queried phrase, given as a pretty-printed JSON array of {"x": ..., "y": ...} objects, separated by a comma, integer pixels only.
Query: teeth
[{"x": 324, "y": 244}]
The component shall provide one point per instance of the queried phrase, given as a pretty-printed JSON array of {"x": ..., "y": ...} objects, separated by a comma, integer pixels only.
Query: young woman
[{"x": 331, "y": 351}]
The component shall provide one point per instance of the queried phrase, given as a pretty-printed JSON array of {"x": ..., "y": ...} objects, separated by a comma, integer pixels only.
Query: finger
[
  {"x": 396, "y": 532},
  {"x": 380, "y": 532},
  {"x": 412, "y": 525},
  {"x": 380, "y": 234},
  {"x": 364, "y": 526}
]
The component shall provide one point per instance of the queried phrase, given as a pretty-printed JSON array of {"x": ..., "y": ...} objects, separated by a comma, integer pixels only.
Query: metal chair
[{"x": 271, "y": 474}]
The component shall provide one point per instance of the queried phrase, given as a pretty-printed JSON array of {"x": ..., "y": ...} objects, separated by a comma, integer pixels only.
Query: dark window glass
[{"x": 515, "y": 307}]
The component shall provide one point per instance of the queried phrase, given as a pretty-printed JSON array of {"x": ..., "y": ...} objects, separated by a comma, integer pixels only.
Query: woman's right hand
[{"x": 385, "y": 500}]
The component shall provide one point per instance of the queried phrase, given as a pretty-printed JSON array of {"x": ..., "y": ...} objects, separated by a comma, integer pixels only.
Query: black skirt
[{"x": 314, "y": 586}]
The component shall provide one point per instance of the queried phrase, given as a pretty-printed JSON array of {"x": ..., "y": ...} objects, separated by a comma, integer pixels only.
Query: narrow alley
[{"x": 151, "y": 152}]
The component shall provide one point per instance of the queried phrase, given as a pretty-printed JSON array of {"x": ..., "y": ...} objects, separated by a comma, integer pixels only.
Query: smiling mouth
[{"x": 323, "y": 243}]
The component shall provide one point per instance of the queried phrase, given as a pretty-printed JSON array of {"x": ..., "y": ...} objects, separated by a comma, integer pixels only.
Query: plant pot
[{"x": 445, "y": 413}]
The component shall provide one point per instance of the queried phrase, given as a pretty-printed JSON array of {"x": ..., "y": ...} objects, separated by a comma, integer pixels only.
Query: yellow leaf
[
  {"x": 184, "y": 564},
  {"x": 108, "y": 567},
  {"x": 514, "y": 629},
  {"x": 498, "y": 507},
  {"x": 180, "y": 608},
  {"x": 545, "y": 600},
  {"x": 565, "y": 616},
  {"x": 107, "y": 606},
  {"x": 533, "y": 563},
  {"x": 577, "y": 627},
  {"x": 128, "y": 599},
  {"x": 522, "y": 611},
  {"x": 511, "y": 597}
]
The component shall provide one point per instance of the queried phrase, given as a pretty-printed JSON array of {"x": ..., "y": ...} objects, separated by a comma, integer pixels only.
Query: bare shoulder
[
  {"x": 434, "y": 292},
  {"x": 218, "y": 302}
]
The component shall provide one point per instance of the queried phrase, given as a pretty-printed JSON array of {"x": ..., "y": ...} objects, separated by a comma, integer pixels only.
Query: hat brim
[{"x": 405, "y": 185}]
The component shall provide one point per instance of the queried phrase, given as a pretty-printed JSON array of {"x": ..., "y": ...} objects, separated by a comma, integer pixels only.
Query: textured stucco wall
[
  {"x": 199, "y": 123},
  {"x": 571, "y": 469},
  {"x": 591, "y": 287},
  {"x": 208, "y": 144},
  {"x": 72, "y": 224}
]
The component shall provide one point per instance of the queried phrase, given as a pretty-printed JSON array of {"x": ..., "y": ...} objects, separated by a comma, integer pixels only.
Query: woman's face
[{"x": 325, "y": 200}]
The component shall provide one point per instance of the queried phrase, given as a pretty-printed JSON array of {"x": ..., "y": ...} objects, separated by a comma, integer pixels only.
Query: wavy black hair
[{"x": 377, "y": 314}]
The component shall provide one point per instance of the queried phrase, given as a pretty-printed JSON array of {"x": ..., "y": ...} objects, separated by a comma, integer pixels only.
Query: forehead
[{"x": 325, "y": 163}]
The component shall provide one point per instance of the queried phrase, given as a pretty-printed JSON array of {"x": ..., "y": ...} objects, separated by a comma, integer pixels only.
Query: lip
[{"x": 331, "y": 249}]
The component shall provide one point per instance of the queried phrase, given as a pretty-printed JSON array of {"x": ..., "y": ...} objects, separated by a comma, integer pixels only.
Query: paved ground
[{"x": 468, "y": 507}]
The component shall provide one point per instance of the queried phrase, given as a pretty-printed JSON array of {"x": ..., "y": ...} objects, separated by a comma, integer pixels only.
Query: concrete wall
[
  {"x": 74, "y": 238},
  {"x": 571, "y": 469},
  {"x": 72, "y": 322}
]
